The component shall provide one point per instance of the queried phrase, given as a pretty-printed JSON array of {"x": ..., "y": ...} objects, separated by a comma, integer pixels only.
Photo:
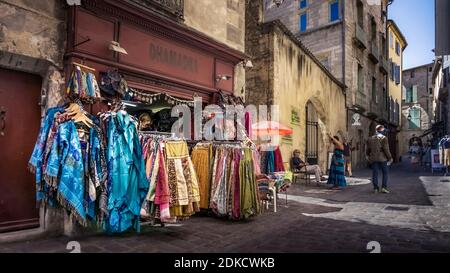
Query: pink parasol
[{"x": 271, "y": 128}]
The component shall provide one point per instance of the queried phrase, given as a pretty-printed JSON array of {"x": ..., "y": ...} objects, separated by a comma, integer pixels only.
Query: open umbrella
[{"x": 271, "y": 128}]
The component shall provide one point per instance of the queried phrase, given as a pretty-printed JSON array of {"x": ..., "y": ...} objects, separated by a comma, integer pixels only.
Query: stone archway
[{"x": 317, "y": 143}]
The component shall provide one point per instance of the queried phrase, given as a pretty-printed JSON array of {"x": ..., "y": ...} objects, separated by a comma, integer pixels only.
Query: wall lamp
[
  {"x": 115, "y": 46},
  {"x": 223, "y": 78},
  {"x": 247, "y": 64},
  {"x": 278, "y": 2}
]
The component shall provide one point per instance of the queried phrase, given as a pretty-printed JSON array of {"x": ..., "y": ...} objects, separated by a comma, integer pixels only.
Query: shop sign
[
  {"x": 173, "y": 58},
  {"x": 435, "y": 162},
  {"x": 356, "y": 120},
  {"x": 295, "y": 115},
  {"x": 167, "y": 57}
]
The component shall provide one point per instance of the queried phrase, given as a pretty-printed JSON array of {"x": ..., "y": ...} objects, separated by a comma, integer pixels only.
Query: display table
[{"x": 270, "y": 185}]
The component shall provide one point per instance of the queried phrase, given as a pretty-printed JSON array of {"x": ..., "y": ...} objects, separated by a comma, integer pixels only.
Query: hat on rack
[{"x": 112, "y": 83}]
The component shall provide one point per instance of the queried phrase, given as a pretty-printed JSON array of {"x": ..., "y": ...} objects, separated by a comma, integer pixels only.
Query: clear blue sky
[{"x": 415, "y": 18}]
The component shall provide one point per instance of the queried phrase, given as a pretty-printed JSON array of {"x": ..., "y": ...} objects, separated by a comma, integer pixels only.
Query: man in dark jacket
[{"x": 379, "y": 156}]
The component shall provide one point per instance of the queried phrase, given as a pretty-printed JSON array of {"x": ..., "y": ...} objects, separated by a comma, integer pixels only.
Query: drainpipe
[{"x": 344, "y": 59}]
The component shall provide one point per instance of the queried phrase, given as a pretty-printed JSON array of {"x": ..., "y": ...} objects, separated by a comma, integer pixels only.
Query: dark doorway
[
  {"x": 312, "y": 135},
  {"x": 19, "y": 123}
]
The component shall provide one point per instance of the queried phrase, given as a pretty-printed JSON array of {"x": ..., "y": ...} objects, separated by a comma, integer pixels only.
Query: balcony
[
  {"x": 374, "y": 54},
  {"x": 360, "y": 37},
  {"x": 384, "y": 65},
  {"x": 171, "y": 8}
]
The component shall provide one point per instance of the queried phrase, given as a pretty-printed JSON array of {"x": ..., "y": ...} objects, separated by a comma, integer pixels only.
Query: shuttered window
[{"x": 414, "y": 123}]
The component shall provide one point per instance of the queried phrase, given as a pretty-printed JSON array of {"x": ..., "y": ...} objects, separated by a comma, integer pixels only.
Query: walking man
[{"x": 379, "y": 156}]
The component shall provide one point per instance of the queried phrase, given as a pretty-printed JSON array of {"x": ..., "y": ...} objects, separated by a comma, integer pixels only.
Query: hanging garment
[
  {"x": 256, "y": 162},
  {"x": 264, "y": 162},
  {"x": 270, "y": 161},
  {"x": 162, "y": 193},
  {"x": 183, "y": 184},
  {"x": 128, "y": 185},
  {"x": 36, "y": 160},
  {"x": 66, "y": 164},
  {"x": 279, "y": 165},
  {"x": 201, "y": 161},
  {"x": 82, "y": 85},
  {"x": 249, "y": 204}
]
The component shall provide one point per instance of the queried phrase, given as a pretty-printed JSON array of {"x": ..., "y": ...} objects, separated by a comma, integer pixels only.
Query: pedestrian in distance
[
  {"x": 337, "y": 169},
  {"x": 348, "y": 149},
  {"x": 380, "y": 158}
]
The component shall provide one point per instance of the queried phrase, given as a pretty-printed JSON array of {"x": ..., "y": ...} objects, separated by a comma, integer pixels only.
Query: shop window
[{"x": 334, "y": 10}]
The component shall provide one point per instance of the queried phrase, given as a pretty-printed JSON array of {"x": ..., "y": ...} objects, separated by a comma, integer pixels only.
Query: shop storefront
[
  {"x": 122, "y": 166},
  {"x": 162, "y": 54}
]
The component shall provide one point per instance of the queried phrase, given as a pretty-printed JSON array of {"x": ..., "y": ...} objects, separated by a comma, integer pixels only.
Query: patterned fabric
[
  {"x": 128, "y": 182},
  {"x": 183, "y": 183},
  {"x": 36, "y": 160},
  {"x": 65, "y": 162},
  {"x": 337, "y": 170}
]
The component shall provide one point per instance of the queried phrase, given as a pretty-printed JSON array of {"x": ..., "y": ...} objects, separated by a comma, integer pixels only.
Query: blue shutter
[
  {"x": 415, "y": 119},
  {"x": 303, "y": 4},
  {"x": 414, "y": 94},
  {"x": 334, "y": 11},
  {"x": 397, "y": 74},
  {"x": 303, "y": 22}
]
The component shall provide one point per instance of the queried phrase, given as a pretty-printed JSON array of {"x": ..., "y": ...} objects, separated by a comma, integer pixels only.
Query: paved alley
[{"x": 415, "y": 217}]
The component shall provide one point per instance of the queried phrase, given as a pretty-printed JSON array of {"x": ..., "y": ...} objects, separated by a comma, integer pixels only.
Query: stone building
[
  {"x": 287, "y": 74},
  {"x": 417, "y": 104},
  {"x": 441, "y": 105},
  {"x": 396, "y": 46},
  {"x": 349, "y": 38},
  {"x": 32, "y": 45},
  {"x": 35, "y": 57}
]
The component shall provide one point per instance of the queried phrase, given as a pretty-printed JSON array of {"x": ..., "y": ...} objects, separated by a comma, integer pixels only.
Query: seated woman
[{"x": 298, "y": 164}]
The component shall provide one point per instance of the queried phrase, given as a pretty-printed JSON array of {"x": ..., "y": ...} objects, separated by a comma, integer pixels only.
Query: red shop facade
[{"x": 164, "y": 55}]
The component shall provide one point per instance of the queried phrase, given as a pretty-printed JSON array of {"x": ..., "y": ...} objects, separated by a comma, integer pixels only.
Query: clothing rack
[{"x": 83, "y": 66}]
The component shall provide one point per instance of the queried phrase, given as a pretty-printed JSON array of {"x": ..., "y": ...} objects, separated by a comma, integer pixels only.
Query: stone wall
[
  {"x": 33, "y": 28},
  {"x": 224, "y": 21},
  {"x": 333, "y": 43},
  {"x": 286, "y": 75},
  {"x": 299, "y": 79},
  {"x": 33, "y": 40}
]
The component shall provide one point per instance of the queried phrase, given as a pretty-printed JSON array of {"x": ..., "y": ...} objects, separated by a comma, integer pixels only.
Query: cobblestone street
[{"x": 415, "y": 217}]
